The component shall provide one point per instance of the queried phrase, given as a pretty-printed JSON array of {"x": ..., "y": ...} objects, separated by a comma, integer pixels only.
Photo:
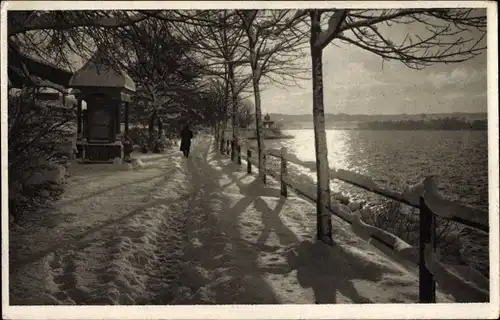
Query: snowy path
[
  {"x": 193, "y": 231},
  {"x": 111, "y": 239}
]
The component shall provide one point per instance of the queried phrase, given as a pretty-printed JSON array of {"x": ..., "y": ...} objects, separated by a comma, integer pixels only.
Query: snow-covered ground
[{"x": 193, "y": 231}]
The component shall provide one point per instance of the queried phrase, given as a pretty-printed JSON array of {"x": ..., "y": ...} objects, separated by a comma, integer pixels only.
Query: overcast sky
[{"x": 356, "y": 83}]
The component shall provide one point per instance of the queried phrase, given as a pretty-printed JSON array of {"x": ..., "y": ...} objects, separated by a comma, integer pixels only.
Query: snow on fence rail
[{"x": 464, "y": 283}]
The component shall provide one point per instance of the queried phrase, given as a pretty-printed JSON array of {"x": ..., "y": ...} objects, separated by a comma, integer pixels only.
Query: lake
[{"x": 398, "y": 158}]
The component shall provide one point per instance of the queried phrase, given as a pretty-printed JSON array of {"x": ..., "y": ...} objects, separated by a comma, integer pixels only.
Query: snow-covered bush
[
  {"x": 396, "y": 219},
  {"x": 158, "y": 146},
  {"x": 455, "y": 245},
  {"x": 137, "y": 135},
  {"x": 40, "y": 141}
]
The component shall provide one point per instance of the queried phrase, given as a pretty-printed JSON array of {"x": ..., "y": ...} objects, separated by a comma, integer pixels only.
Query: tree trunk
[
  {"x": 234, "y": 104},
  {"x": 160, "y": 128},
  {"x": 258, "y": 128},
  {"x": 216, "y": 128},
  {"x": 151, "y": 128},
  {"x": 219, "y": 130},
  {"x": 324, "y": 223},
  {"x": 224, "y": 121}
]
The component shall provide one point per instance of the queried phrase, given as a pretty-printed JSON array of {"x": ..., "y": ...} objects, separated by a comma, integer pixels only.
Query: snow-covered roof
[
  {"x": 25, "y": 69},
  {"x": 98, "y": 73}
]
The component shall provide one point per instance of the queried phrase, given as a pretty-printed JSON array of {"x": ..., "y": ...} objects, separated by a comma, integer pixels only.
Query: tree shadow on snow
[
  {"x": 272, "y": 222},
  {"x": 216, "y": 272},
  {"x": 329, "y": 271}
]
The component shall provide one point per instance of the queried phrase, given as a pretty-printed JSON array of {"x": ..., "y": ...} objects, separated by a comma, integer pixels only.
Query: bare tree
[
  {"x": 219, "y": 43},
  {"x": 274, "y": 48},
  {"x": 55, "y": 36},
  {"x": 447, "y": 38},
  {"x": 157, "y": 61},
  {"x": 245, "y": 113},
  {"x": 227, "y": 41}
]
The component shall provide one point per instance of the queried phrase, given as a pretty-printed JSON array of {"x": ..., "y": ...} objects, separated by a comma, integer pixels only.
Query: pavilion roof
[{"x": 98, "y": 72}]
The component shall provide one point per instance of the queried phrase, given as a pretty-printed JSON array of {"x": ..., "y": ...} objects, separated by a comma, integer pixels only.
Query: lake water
[{"x": 398, "y": 158}]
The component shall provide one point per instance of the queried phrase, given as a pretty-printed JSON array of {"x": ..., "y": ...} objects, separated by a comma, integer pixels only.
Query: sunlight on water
[
  {"x": 398, "y": 158},
  {"x": 303, "y": 147}
]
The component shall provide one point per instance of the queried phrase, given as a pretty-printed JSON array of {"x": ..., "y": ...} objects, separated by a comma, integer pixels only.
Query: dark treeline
[{"x": 431, "y": 124}]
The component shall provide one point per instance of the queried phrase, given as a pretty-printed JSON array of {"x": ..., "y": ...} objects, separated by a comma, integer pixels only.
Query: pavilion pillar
[
  {"x": 126, "y": 117},
  {"x": 79, "y": 119},
  {"x": 85, "y": 127},
  {"x": 118, "y": 106}
]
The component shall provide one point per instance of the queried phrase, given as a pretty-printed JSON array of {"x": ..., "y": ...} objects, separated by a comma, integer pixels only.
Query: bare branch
[
  {"x": 74, "y": 19},
  {"x": 326, "y": 36},
  {"x": 443, "y": 35}
]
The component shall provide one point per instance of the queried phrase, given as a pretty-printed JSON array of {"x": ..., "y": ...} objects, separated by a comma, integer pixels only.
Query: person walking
[{"x": 186, "y": 136}]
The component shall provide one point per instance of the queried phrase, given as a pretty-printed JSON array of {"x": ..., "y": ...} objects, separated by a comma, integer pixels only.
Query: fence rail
[{"x": 422, "y": 197}]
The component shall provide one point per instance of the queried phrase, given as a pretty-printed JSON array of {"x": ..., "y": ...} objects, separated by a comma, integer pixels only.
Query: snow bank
[
  {"x": 137, "y": 164},
  {"x": 47, "y": 173},
  {"x": 116, "y": 166}
]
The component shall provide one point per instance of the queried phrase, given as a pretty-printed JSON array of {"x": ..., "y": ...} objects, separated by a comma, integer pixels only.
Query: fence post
[
  {"x": 427, "y": 285},
  {"x": 249, "y": 164},
  {"x": 233, "y": 149},
  {"x": 238, "y": 149},
  {"x": 284, "y": 190},
  {"x": 264, "y": 169},
  {"x": 228, "y": 147},
  {"x": 222, "y": 145}
]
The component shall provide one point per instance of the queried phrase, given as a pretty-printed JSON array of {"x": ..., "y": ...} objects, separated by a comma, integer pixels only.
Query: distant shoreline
[
  {"x": 385, "y": 129},
  {"x": 331, "y": 118},
  {"x": 439, "y": 124}
]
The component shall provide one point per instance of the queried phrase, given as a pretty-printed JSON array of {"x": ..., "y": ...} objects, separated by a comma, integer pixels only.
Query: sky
[{"x": 356, "y": 82}]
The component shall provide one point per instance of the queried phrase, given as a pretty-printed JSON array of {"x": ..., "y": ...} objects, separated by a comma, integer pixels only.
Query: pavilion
[{"x": 105, "y": 89}]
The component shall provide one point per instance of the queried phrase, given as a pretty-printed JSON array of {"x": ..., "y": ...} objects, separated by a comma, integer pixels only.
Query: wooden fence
[{"x": 430, "y": 269}]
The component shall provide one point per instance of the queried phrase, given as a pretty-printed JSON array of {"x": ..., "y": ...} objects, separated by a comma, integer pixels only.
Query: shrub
[{"x": 38, "y": 136}]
